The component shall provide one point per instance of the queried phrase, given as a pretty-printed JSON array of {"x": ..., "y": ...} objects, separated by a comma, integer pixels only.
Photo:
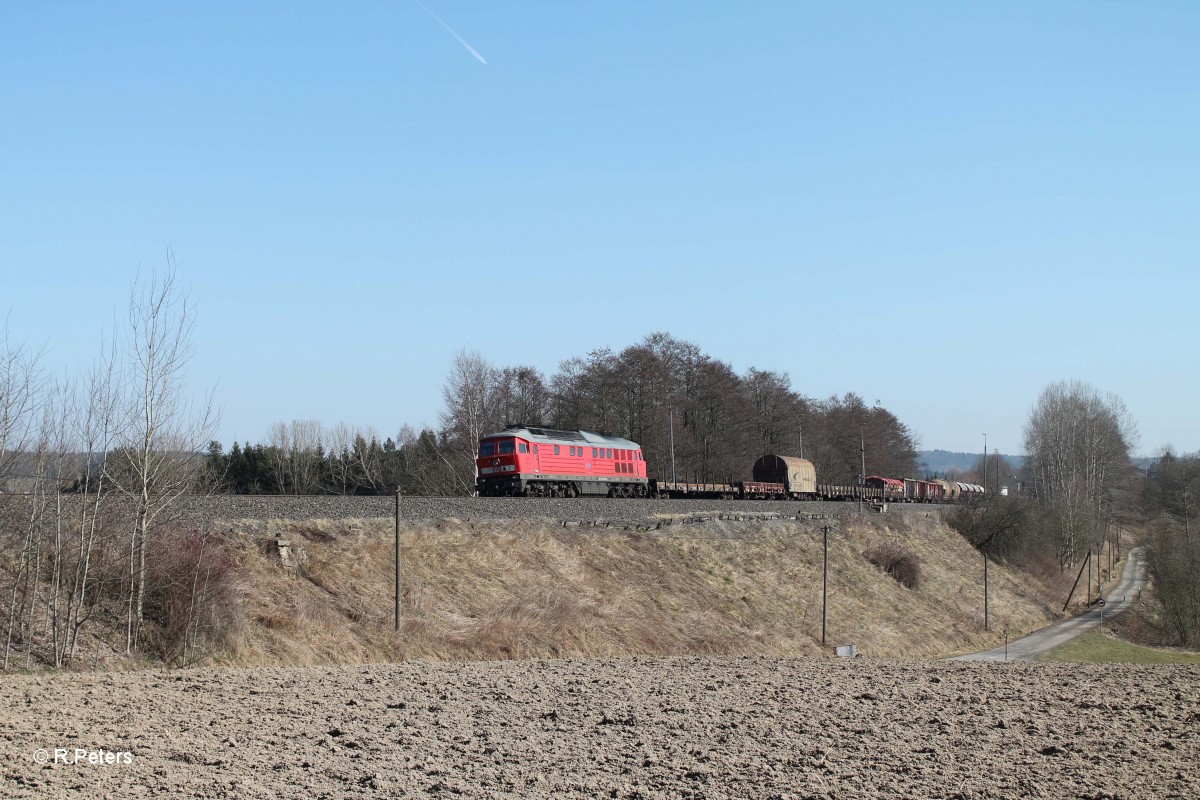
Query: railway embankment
[
  {"x": 697, "y": 582},
  {"x": 309, "y": 580}
]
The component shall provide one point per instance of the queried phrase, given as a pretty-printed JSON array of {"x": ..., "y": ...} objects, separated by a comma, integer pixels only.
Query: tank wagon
[{"x": 957, "y": 490}]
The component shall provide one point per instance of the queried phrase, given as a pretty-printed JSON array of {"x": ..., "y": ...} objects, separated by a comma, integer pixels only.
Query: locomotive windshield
[
  {"x": 508, "y": 447},
  {"x": 487, "y": 449}
]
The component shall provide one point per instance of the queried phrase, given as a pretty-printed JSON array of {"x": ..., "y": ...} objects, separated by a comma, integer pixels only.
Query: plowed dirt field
[{"x": 645, "y": 727}]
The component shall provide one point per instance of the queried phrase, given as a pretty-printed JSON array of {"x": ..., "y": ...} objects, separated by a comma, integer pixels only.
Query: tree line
[
  {"x": 663, "y": 393},
  {"x": 1169, "y": 498},
  {"x": 672, "y": 398}
]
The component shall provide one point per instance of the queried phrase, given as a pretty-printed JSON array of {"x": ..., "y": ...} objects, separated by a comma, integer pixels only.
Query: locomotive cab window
[
  {"x": 487, "y": 449},
  {"x": 535, "y": 448},
  {"x": 524, "y": 448},
  {"x": 507, "y": 447}
]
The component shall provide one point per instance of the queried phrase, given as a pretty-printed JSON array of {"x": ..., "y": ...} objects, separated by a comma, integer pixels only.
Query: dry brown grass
[{"x": 522, "y": 590}]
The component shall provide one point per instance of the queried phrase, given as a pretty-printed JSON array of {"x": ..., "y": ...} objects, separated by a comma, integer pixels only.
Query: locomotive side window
[
  {"x": 556, "y": 450},
  {"x": 524, "y": 448},
  {"x": 594, "y": 452},
  {"x": 507, "y": 447},
  {"x": 572, "y": 450},
  {"x": 535, "y": 448},
  {"x": 487, "y": 449}
]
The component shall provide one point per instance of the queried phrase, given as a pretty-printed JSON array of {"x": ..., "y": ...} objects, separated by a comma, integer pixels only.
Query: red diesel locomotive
[{"x": 543, "y": 462}]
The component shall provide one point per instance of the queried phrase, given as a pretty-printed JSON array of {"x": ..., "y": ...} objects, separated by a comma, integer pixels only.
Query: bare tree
[
  {"x": 366, "y": 462},
  {"x": 1169, "y": 501},
  {"x": 297, "y": 454},
  {"x": 162, "y": 433},
  {"x": 426, "y": 467},
  {"x": 997, "y": 471},
  {"x": 22, "y": 398},
  {"x": 94, "y": 420},
  {"x": 339, "y": 461},
  {"x": 22, "y": 389},
  {"x": 470, "y": 412},
  {"x": 521, "y": 396},
  {"x": 1078, "y": 444},
  {"x": 354, "y": 462}
]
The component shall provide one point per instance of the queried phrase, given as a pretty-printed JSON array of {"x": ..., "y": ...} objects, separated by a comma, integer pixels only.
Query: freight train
[{"x": 526, "y": 461}]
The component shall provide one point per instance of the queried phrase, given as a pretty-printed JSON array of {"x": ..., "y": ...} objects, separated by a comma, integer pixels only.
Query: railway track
[{"x": 263, "y": 507}]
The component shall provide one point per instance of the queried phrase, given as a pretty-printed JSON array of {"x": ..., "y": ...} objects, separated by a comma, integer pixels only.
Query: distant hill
[{"x": 943, "y": 461}]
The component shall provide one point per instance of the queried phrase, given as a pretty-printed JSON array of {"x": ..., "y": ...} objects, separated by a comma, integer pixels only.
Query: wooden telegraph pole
[
  {"x": 398, "y": 562},
  {"x": 862, "y": 480},
  {"x": 825, "y": 585},
  {"x": 985, "y": 589}
]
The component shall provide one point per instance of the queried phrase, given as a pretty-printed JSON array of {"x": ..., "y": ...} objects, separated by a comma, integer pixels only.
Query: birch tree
[
  {"x": 1078, "y": 444},
  {"x": 162, "y": 434},
  {"x": 470, "y": 412}
]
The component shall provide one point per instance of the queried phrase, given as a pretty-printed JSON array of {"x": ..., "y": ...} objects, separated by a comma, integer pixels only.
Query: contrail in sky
[{"x": 451, "y": 31}]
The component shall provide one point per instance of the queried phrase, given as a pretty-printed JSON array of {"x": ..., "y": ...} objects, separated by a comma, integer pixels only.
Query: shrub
[
  {"x": 191, "y": 595},
  {"x": 897, "y": 561}
]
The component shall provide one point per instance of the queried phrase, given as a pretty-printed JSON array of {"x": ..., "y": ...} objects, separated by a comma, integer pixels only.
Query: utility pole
[
  {"x": 398, "y": 563},
  {"x": 985, "y": 462},
  {"x": 1088, "y": 564},
  {"x": 800, "y": 427},
  {"x": 825, "y": 585},
  {"x": 985, "y": 589},
  {"x": 862, "y": 478},
  {"x": 671, "y": 438}
]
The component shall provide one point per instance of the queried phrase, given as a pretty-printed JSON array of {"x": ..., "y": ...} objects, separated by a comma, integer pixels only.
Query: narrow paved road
[{"x": 1133, "y": 579}]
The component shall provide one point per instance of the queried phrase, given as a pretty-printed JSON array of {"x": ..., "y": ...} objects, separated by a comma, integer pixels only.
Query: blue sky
[{"x": 940, "y": 206}]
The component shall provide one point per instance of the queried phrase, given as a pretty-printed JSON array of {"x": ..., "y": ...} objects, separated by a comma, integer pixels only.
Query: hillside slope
[{"x": 522, "y": 590}]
